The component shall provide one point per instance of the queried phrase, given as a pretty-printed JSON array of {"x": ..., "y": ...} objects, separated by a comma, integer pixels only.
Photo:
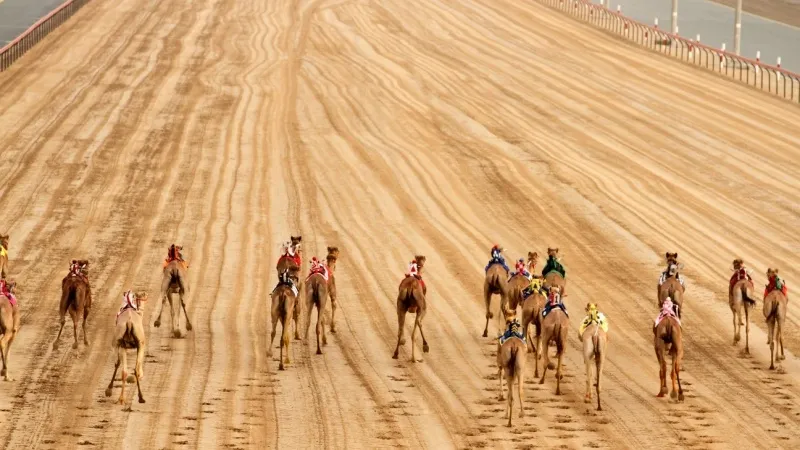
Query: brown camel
[
  {"x": 595, "y": 342},
  {"x": 174, "y": 281},
  {"x": 775, "y": 309},
  {"x": 496, "y": 282},
  {"x": 670, "y": 259},
  {"x": 516, "y": 284},
  {"x": 9, "y": 324},
  {"x": 291, "y": 260},
  {"x": 330, "y": 262},
  {"x": 76, "y": 298},
  {"x": 411, "y": 299},
  {"x": 511, "y": 359},
  {"x": 673, "y": 289},
  {"x": 284, "y": 299},
  {"x": 555, "y": 327},
  {"x": 554, "y": 278},
  {"x": 128, "y": 335},
  {"x": 317, "y": 295},
  {"x": 532, "y": 307},
  {"x": 3, "y": 256},
  {"x": 668, "y": 336},
  {"x": 741, "y": 300}
]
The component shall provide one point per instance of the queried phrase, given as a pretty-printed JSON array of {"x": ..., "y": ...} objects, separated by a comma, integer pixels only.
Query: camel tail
[
  {"x": 596, "y": 345},
  {"x": 746, "y": 297},
  {"x": 514, "y": 368},
  {"x": 68, "y": 298}
]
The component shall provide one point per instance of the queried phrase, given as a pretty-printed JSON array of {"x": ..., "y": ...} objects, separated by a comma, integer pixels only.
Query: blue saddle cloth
[
  {"x": 548, "y": 307},
  {"x": 497, "y": 260},
  {"x": 513, "y": 330}
]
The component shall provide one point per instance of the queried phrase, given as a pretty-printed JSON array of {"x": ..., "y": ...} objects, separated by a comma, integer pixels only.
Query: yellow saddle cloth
[
  {"x": 3, "y": 251},
  {"x": 600, "y": 319}
]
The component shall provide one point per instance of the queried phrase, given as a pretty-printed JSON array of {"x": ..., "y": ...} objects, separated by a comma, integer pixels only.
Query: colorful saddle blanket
[
  {"x": 514, "y": 330},
  {"x": 600, "y": 320}
]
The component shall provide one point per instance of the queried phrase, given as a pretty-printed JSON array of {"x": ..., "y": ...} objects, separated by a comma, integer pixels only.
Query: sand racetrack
[{"x": 385, "y": 128}]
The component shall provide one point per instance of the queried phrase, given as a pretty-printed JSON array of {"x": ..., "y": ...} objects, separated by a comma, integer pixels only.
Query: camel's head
[
  {"x": 510, "y": 316},
  {"x": 296, "y": 240},
  {"x": 772, "y": 272},
  {"x": 738, "y": 263},
  {"x": 141, "y": 299},
  {"x": 591, "y": 310},
  {"x": 552, "y": 252},
  {"x": 420, "y": 260},
  {"x": 533, "y": 259},
  {"x": 671, "y": 258},
  {"x": 4, "y": 241},
  {"x": 333, "y": 254}
]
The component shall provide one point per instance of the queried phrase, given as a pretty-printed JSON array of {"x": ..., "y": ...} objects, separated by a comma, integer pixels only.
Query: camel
[
  {"x": 76, "y": 298},
  {"x": 595, "y": 342},
  {"x": 516, "y": 284},
  {"x": 741, "y": 300},
  {"x": 672, "y": 288},
  {"x": 532, "y": 307},
  {"x": 775, "y": 309},
  {"x": 3, "y": 256},
  {"x": 555, "y": 327},
  {"x": 128, "y": 335},
  {"x": 284, "y": 299},
  {"x": 9, "y": 324},
  {"x": 411, "y": 299},
  {"x": 174, "y": 281},
  {"x": 553, "y": 277},
  {"x": 291, "y": 260},
  {"x": 496, "y": 282},
  {"x": 330, "y": 262},
  {"x": 511, "y": 359},
  {"x": 317, "y": 295},
  {"x": 668, "y": 336}
]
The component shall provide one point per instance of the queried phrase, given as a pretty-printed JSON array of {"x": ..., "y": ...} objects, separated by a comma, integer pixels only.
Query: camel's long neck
[{"x": 331, "y": 263}]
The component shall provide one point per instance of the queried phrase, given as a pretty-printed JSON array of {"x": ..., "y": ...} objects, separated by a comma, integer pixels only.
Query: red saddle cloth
[
  {"x": 739, "y": 275},
  {"x": 4, "y": 291},
  {"x": 771, "y": 287}
]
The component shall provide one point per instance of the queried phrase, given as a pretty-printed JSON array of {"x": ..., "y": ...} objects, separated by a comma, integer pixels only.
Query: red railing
[
  {"x": 765, "y": 77},
  {"x": 24, "y": 42}
]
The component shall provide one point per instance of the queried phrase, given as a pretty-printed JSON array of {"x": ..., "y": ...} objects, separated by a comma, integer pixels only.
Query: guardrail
[
  {"x": 24, "y": 42},
  {"x": 765, "y": 77}
]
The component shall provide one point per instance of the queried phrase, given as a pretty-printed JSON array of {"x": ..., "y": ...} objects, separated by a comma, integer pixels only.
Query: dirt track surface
[{"x": 386, "y": 129}]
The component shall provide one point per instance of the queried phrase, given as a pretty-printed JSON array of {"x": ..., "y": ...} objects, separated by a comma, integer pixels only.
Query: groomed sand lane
[{"x": 387, "y": 129}]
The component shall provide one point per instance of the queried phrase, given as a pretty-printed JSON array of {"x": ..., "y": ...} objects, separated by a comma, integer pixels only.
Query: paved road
[
  {"x": 714, "y": 23},
  {"x": 17, "y": 15}
]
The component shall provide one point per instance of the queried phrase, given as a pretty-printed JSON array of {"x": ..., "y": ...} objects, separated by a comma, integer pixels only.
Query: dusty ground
[
  {"x": 390, "y": 128},
  {"x": 785, "y": 11}
]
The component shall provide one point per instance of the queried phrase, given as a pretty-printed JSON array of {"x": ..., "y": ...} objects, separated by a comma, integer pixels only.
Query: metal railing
[
  {"x": 765, "y": 77},
  {"x": 24, "y": 42}
]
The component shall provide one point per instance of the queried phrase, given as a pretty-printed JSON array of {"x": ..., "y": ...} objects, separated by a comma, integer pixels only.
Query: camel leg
[
  {"x": 559, "y": 375},
  {"x": 124, "y": 357},
  {"x": 543, "y": 353},
  {"x": 272, "y": 338},
  {"x": 63, "y": 322},
  {"x": 587, "y": 360},
  {"x": 309, "y": 309},
  {"x": 538, "y": 345},
  {"x": 185, "y": 314},
  {"x": 138, "y": 370},
  {"x": 421, "y": 315},
  {"x": 286, "y": 341},
  {"x": 320, "y": 327},
  {"x": 333, "y": 314},
  {"x": 413, "y": 338},
  {"x": 4, "y": 353},
  {"x": 176, "y": 317},
  {"x": 113, "y": 375},
  {"x": 737, "y": 336},
  {"x": 677, "y": 356},
  {"x": 771, "y": 330},
  {"x": 165, "y": 282},
  {"x": 510, "y": 404},
  {"x": 487, "y": 296},
  {"x": 662, "y": 371},
  {"x": 283, "y": 342},
  {"x": 85, "y": 316},
  {"x": 599, "y": 360},
  {"x": 401, "y": 322},
  {"x": 746, "y": 329},
  {"x": 296, "y": 319},
  {"x": 500, "y": 377},
  {"x": 74, "y": 317},
  {"x": 519, "y": 372}
]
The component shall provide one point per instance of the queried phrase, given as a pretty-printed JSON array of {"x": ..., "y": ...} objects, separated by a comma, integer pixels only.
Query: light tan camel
[
  {"x": 174, "y": 281},
  {"x": 284, "y": 299},
  {"x": 317, "y": 295},
  {"x": 330, "y": 260},
  {"x": 516, "y": 284},
  {"x": 9, "y": 326},
  {"x": 532, "y": 307},
  {"x": 595, "y": 342},
  {"x": 775, "y": 309},
  {"x": 411, "y": 299},
  {"x": 76, "y": 298},
  {"x": 668, "y": 336},
  {"x": 554, "y": 278},
  {"x": 495, "y": 283},
  {"x": 511, "y": 360},
  {"x": 741, "y": 300},
  {"x": 3, "y": 256},
  {"x": 128, "y": 335},
  {"x": 555, "y": 327},
  {"x": 673, "y": 289}
]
